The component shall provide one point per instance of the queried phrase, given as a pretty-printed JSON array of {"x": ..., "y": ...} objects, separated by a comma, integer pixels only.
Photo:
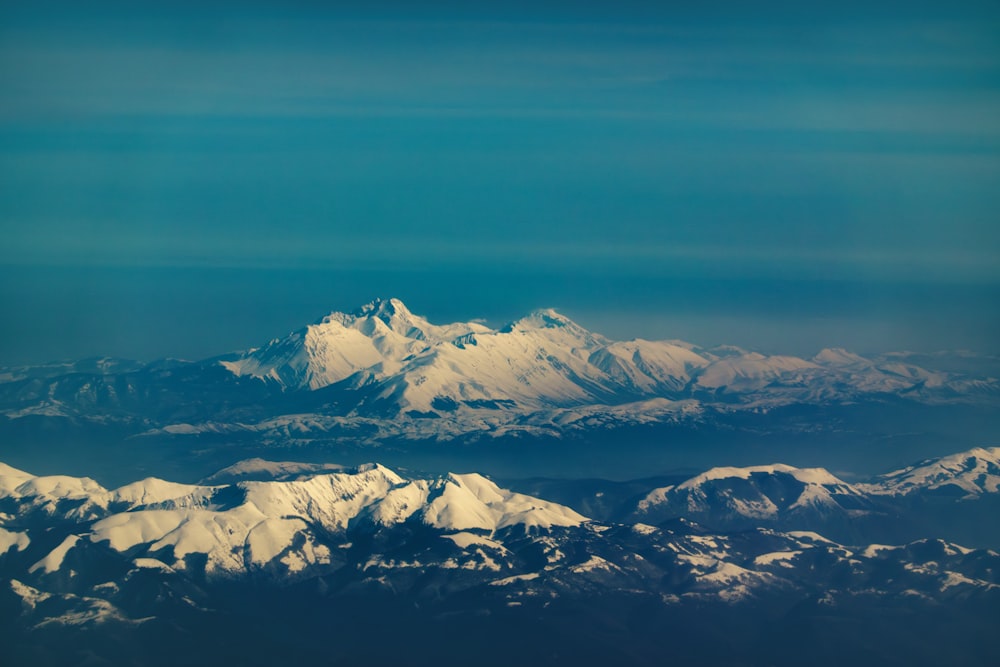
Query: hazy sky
[{"x": 183, "y": 180}]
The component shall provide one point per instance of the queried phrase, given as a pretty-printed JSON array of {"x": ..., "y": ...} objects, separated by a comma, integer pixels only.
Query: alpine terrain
[
  {"x": 366, "y": 551},
  {"x": 383, "y": 376},
  {"x": 542, "y": 495}
]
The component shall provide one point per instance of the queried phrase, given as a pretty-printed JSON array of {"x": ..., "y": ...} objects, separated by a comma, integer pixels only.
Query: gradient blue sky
[{"x": 183, "y": 180}]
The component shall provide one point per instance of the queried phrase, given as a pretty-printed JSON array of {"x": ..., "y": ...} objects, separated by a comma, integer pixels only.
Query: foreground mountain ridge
[
  {"x": 278, "y": 544},
  {"x": 213, "y": 518},
  {"x": 780, "y": 495},
  {"x": 269, "y": 516},
  {"x": 76, "y": 553}
]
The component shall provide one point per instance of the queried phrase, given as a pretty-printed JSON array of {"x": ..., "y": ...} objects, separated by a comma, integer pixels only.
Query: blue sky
[{"x": 663, "y": 172}]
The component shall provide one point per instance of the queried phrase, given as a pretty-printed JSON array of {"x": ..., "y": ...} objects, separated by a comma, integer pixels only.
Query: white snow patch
[
  {"x": 517, "y": 577},
  {"x": 152, "y": 564},
  {"x": 780, "y": 557},
  {"x": 873, "y": 550},
  {"x": 644, "y": 529},
  {"x": 53, "y": 561},
  {"x": 595, "y": 563},
  {"x": 952, "y": 579},
  {"x": 810, "y": 536},
  {"x": 29, "y": 596},
  {"x": 465, "y": 540},
  {"x": 10, "y": 539}
]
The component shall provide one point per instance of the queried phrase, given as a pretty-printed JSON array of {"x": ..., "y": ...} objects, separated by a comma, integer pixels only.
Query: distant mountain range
[
  {"x": 76, "y": 557},
  {"x": 383, "y": 373}
]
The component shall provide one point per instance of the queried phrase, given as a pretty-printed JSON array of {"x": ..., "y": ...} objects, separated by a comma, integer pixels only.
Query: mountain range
[
  {"x": 659, "y": 551},
  {"x": 383, "y": 374},
  {"x": 78, "y": 558}
]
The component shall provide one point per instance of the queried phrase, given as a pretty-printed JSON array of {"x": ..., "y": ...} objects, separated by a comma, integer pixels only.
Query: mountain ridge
[
  {"x": 546, "y": 360},
  {"x": 154, "y": 572},
  {"x": 381, "y": 375},
  {"x": 98, "y": 551}
]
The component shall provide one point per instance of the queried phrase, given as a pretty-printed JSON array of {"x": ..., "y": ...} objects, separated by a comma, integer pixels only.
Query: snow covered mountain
[
  {"x": 946, "y": 496},
  {"x": 377, "y": 338},
  {"x": 967, "y": 474},
  {"x": 735, "y": 498},
  {"x": 279, "y": 524},
  {"x": 546, "y": 360},
  {"x": 265, "y": 549},
  {"x": 540, "y": 360},
  {"x": 62, "y": 537},
  {"x": 383, "y": 373},
  {"x": 282, "y": 546}
]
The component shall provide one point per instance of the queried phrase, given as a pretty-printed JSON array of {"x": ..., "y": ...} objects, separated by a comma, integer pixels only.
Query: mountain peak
[
  {"x": 973, "y": 472},
  {"x": 545, "y": 318},
  {"x": 383, "y": 309},
  {"x": 839, "y": 356},
  {"x": 542, "y": 360},
  {"x": 805, "y": 475},
  {"x": 556, "y": 324}
]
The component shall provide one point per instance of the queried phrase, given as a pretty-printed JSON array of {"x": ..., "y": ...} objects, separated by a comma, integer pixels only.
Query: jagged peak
[
  {"x": 384, "y": 308},
  {"x": 381, "y": 316}
]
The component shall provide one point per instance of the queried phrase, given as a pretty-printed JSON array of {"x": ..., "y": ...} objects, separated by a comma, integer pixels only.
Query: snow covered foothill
[
  {"x": 768, "y": 493},
  {"x": 445, "y": 539},
  {"x": 971, "y": 473}
]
